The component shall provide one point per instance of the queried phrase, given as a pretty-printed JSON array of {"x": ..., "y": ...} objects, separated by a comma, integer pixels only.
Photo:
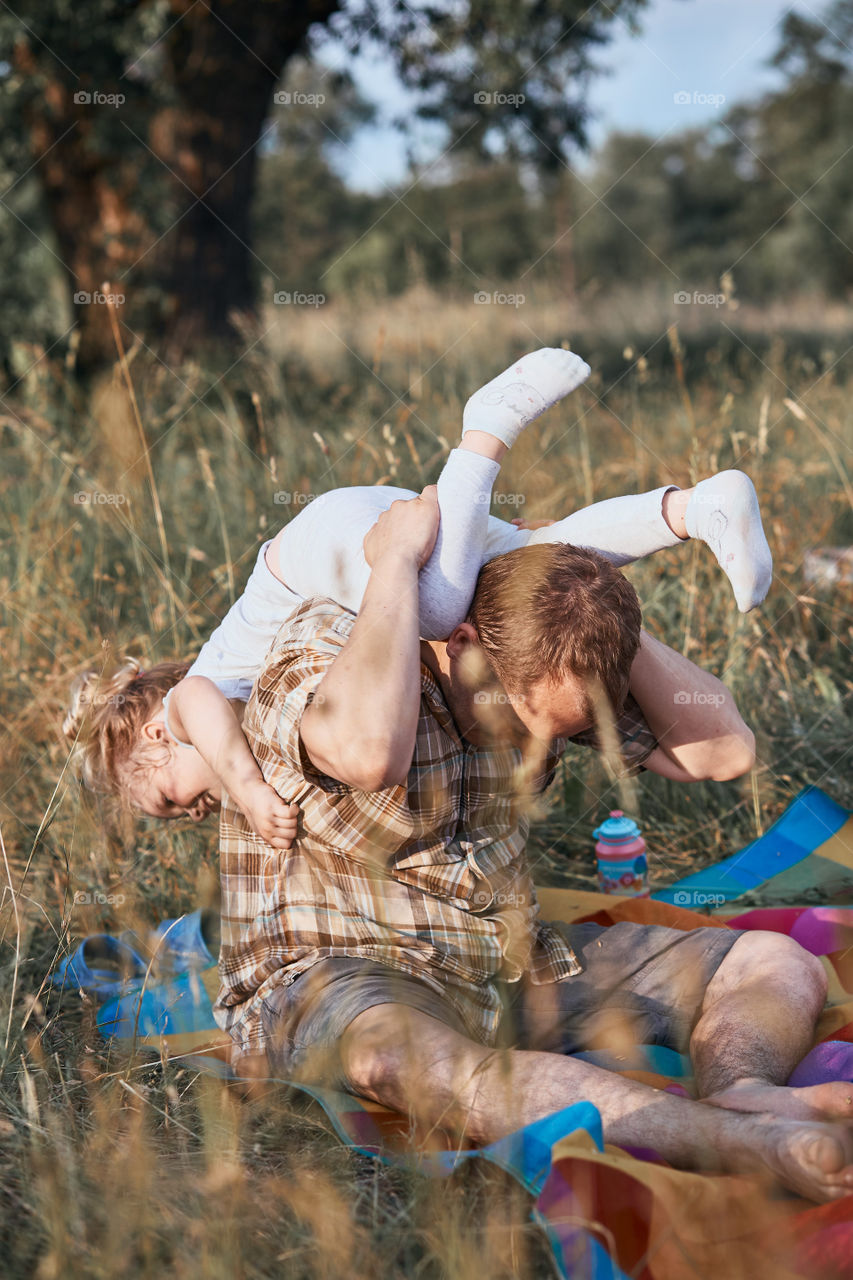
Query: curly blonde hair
[{"x": 106, "y": 718}]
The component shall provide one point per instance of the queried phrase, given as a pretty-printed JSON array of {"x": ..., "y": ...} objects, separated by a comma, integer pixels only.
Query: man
[{"x": 397, "y": 949}]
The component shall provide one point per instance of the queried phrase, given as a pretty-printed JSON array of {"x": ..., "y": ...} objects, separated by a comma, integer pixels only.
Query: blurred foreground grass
[{"x": 109, "y": 1169}]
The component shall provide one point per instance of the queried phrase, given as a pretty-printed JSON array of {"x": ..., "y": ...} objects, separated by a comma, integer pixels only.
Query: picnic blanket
[{"x": 607, "y": 1212}]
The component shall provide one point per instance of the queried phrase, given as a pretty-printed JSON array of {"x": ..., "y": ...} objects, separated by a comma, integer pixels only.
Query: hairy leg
[
  {"x": 407, "y": 1060},
  {"x": 757, "y": 1022}
]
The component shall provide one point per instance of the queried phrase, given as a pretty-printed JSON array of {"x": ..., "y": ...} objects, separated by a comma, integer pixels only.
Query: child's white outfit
[{"x": 321, "y": 555}]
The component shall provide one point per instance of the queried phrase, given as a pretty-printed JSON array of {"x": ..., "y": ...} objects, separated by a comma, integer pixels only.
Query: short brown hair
[{"x": 552, "y": 610}]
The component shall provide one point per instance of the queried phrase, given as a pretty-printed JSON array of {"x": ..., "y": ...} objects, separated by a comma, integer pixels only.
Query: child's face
[{"x": 175, "y": 782}]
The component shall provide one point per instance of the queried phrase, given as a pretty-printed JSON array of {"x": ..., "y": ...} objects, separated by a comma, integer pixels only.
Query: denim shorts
[{"x": 641, "y": 984}]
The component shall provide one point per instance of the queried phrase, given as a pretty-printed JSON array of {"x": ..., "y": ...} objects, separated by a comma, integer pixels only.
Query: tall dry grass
[{"x": 110, "y": 1169}]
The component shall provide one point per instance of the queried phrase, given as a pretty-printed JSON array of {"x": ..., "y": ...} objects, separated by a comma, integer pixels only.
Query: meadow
[{"x": 132, "y": 516}]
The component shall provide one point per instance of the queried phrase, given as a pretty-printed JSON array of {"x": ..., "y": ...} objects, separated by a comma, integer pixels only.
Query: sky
[{"x": 712, "y": 51}]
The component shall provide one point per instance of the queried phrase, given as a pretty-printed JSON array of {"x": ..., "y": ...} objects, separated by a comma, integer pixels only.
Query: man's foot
[
  {"x": 832, "y": 1101},
  {"x": 815, "y": 1160},
  {"x": 505, "y": 406},
  {"x": 723, "y": 512}
]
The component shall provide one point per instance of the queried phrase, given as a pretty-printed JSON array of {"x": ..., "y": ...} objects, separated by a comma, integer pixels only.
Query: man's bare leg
[
  {"x": 411, "y": 1062},
  {"x": 758, "y": 1019}
]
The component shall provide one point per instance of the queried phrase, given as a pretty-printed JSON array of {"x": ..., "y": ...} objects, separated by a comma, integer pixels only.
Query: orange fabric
[
  {"x": 649, "y": 911},
  {"x": 667, "y": 1224}
]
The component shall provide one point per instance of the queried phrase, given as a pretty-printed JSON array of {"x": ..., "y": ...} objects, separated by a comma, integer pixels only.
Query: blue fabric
[
  {"x": 811, "y": 818},
  {"x": 526, "y": 1153},
  {"x": 183, "y": 942},
  {"x": 180, "y": 1005},
  {"x": 102, "y": 965}
]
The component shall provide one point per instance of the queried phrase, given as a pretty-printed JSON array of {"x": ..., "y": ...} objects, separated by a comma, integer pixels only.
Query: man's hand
[
  {"x": 267, "y": 814},
  {"x": 408, "y": 528}
]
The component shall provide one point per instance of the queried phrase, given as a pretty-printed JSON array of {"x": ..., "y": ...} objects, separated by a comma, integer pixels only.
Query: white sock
[
  {"x": 723, "y": 511},
  {"x": 447, "y": 581},
  {"x": 504, "y": 406},
  {"x": 621, "y": 529}
]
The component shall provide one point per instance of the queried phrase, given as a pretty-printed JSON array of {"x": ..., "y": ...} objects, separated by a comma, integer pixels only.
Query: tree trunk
[
  {"x": 91, "y": 200},
  {"x": 224, "y": 59}
]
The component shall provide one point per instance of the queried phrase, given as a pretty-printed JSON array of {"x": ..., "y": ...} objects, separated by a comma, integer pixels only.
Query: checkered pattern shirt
[{"x": 428, "y": 877}]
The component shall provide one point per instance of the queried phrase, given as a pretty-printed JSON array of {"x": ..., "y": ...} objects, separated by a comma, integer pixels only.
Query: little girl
[{"x": 169, "y": 739}]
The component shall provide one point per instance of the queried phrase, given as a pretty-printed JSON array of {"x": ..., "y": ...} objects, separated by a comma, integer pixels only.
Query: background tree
[{"x": 156, "y": 192}]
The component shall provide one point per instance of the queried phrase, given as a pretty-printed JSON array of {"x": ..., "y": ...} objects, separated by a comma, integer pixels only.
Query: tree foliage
[
  {"x": 199, "y": 195},
  {"x": 143, "y": 121}
]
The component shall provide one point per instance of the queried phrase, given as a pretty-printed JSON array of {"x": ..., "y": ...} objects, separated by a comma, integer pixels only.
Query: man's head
[{"x": 549, "y": 627}]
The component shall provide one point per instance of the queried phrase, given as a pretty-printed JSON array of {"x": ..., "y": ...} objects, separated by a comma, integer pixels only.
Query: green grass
[{"x": 109, "y": 1170}]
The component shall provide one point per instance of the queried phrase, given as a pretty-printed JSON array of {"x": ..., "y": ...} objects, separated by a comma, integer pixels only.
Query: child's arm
[{"x": 201, "y": 714}]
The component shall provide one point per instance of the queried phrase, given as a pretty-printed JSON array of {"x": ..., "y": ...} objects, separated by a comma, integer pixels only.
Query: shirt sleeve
[
  {"x": 301, "y": 656},
  {"x": 290, "y": 732},
  {"x": 636, "y": 740}
]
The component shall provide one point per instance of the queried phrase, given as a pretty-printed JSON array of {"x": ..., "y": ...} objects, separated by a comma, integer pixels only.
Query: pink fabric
[{"x": 817, "y": 929}]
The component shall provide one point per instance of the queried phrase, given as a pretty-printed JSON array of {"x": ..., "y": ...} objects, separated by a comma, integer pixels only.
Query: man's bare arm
[
  {"x": 693, "y": 716},
  {"x": 361, "y": 725}
]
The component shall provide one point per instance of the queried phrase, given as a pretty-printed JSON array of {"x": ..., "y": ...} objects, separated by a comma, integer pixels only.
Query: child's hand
[
  {"x": 267, "y": 814},
  {"x": 531, "y": 524}
]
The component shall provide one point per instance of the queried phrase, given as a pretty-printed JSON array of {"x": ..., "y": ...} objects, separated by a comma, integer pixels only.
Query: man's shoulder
[{"x": 314, "y": 622}]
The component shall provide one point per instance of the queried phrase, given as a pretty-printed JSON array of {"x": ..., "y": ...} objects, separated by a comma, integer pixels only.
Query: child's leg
[
  {"x": 722, "y": 511},
  {"x": 621, "y": 529},
  {"x": 492, "y": 421},
  {"x": 321, "y": 550}
]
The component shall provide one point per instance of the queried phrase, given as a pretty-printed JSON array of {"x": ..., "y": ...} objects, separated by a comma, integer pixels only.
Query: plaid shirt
[{"x": 428, "y": 877}]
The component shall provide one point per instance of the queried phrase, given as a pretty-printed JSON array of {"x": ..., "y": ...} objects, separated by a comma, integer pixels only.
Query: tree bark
[
  {"x": 90, "y": 196},
  {"x": 224, "y": 59}
]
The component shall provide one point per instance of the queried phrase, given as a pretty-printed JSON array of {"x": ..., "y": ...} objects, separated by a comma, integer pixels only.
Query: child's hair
[{"x": 107, "y": 714}]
